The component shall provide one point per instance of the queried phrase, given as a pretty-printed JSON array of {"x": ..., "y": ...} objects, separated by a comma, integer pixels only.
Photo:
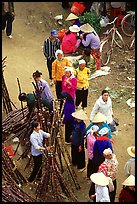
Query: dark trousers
[
  {"x": 78, "y": 158},
  {"x": 58, "y": 92},
  {"x": 81, "y": 96},
  {"x": 36, "y": 168},
  {"x": 90, "y": 168},
  {"x": 49, "y": 66},
  {"x": 7, "y": 20},
  {"x": 68, "y": 130},
  {"x": 113, "y": 193}
]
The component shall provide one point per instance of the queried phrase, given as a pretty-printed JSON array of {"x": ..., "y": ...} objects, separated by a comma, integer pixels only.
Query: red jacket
[
  {"x": 126, "y": 195},
  {"x": 69, "y": 43}
]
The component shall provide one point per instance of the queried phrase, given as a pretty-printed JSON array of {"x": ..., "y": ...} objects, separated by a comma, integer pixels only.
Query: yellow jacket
[
  {"x": 82, "y": 78},
  {"x": 58, "y": 68}
]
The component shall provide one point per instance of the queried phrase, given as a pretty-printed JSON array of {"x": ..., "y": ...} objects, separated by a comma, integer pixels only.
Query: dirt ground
[{"x": 24, "y": 52}]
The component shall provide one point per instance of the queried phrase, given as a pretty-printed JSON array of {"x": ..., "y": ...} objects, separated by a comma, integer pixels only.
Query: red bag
[
  {"x": 77, "y": 8},
  {"x": 61, "y": 34},
  {"x": 9, "y": 150}
]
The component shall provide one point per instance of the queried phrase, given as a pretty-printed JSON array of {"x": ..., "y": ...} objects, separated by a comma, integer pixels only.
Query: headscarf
[
  {"x": 71, "y": 70},
  {"x": 56, "y": 54}
]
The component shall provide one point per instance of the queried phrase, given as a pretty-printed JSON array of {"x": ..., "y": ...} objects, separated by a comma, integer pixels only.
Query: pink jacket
[
  {"x": 90, "y": 144},
  {"x": 70, "y": 89},
  {"x": 69, "y": 43}
]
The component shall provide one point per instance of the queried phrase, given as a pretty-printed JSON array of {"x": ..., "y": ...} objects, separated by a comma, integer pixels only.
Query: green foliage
[{"x": 92, "y": 18}]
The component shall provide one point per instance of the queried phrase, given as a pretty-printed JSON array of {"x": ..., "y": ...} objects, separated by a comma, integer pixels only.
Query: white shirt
[
  {"x": 102, "y": 193},
  {"x": 104, "y": 108}
]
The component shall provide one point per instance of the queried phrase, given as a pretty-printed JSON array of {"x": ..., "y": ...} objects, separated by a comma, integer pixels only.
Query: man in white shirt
[{"x": 104, "y": 106}]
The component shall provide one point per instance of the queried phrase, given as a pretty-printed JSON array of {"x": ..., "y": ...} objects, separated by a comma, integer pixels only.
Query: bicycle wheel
[
  {"x": 128, "y": 24},
  {"x": 119, "y": 40},
  {"x": 105, "y": 51}
]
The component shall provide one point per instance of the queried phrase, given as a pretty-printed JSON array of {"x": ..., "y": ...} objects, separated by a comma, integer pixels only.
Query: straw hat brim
[
  {"x": 74, "y": 30},
  {"x": 80, "y": 115},
  {"x": 86, "y": 28},
  {"x": 99, "y": 117},
  {"x": 130, "y": 181},
  {"x": 99, "y": 179},
  {"x": 130, "y": 151},
  {"x": 71, "y": 16}
]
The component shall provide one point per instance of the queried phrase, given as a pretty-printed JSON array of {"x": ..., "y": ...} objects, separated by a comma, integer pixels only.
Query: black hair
[
  {"x": 104, "y": 91},
  {"x": 22, "y": 97},
  {"x": 37, "y": 74},
  {"x": 87, "y": 51},
  {"x": 34, "y": 124},
  {"x": 67, "y": 32}
]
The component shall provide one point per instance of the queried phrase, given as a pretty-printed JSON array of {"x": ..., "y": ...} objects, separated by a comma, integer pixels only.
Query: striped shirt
[{"x": 50, "y": 48}]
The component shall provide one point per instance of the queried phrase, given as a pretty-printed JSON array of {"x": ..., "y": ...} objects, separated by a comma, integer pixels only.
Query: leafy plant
[{"x": 92, "y": 18}]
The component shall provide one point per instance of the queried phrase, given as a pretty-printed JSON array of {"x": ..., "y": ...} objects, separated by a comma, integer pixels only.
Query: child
[
  {"x": 101, "y": 190},
  {"x": 77, "y": 142}
]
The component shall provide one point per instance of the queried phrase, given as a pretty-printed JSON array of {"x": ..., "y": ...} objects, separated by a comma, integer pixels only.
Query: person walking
[
  {"x": 77, "y": 140},
  {"x": 90, "y": 39},
  {"x": 104, "y": 105},
  {"x": 51, "y": 45},
  {"x": 37, "y": 148},
  {"x": 127, "y": 194},
  {"x": 82, "y": 74},
  {"x": 129, "y": 167},
  {"x": 69, "y": 83},
  {"x": 8, "y": 16}
]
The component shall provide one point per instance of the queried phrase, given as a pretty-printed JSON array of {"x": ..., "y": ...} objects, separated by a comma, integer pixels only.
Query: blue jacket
[
  {"x": 100, "y": 127},
  {"x": 78, "y": 132}
]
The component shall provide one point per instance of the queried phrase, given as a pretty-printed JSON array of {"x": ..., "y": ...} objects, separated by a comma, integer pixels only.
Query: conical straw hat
[
  {"x": 131, "y": 151},
  {"x": 86, "y": 28},
  {"x": 99, "y": 117},
  {"x": 80, "y": 115},
  {"x": 130, "y": 181},
  {"x": 71, "y": 16},
  {"x": 99, "y": 179}
]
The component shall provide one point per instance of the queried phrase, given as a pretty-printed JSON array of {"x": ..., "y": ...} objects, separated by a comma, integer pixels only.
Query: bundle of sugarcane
[
  {"x": 7, "y": 103},
  {"x": 11, "y": 192},
  {"x": 9, "y": 168},
  {"x": 53, "y": 186}
]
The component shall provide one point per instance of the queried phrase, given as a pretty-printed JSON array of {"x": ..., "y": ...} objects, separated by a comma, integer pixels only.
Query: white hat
[
  {"x": 86, "y": 28},
  {"x": 57, "y": 52},
  {"x": 130, "y": 181},
  {"x": 70, "y": 69},
  {"x": 103, "y": 131},
  {"x": 82, "y": 61},
  {"x": 99, "y": 179},
  {"x": 74, "y": 28},
  {"x": 93, "y": 129},
  {"x": 107, "y": 151},
  {"x": 71, "y": 16},
  {"x": 80, "y": 115},
  {"x": 99, "y": 117},
  {"x": 131, "y": 151}
]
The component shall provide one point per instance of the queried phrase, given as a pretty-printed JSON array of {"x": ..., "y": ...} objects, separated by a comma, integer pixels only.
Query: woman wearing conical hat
[
  {"x": 127, "y": 194},
  {"x": 101, "y": 121},
  {"x": 129, "y": 167},
  {"x": 77, "y": 140}
]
